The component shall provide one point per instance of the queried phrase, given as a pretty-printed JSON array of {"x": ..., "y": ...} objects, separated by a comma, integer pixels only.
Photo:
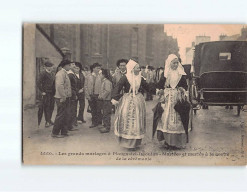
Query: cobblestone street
[{"x": 217, "y": 131}]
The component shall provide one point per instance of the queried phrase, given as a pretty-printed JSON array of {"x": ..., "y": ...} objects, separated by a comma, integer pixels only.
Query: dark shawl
[
  {"x": 181, "y": 83},
  {"x": 183, "y": 108},
  {"x": 124, "y": 85}
]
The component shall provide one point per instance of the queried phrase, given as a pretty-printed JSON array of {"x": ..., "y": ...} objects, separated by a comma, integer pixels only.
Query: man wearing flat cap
[
  {"x": 45, "y": 85},
  {"x": 92, "y": 89},
  {"x": 62, "y": 97}
]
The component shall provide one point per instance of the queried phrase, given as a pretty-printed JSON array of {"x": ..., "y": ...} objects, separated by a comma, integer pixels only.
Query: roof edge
[{"x": 49, "y": 39}]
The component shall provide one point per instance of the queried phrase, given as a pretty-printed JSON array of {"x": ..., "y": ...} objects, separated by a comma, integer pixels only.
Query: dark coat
[
  {"x": 73, "y": 82},
  {"x": 181, "y": 83},
  {"x": 46, "y": 82},
  {"x": 124, "y": 85},
  {"x": 80, "y": 84}
]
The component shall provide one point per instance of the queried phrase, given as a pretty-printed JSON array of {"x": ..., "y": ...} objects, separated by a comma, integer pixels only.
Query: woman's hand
[
  {"x": 114, "y": 102},
  {"x": 181, "y": 89},
  {"x": 186, "y": 93},
  {"x": 160, "y": 92},
  {"x": 88, "y": 97},
  {"x": 183, "y": 94},
  {"x": 63, "y": 99}
]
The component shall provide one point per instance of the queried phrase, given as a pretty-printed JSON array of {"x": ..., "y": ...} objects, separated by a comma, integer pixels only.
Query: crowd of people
[{"x": 121, "y": 92}]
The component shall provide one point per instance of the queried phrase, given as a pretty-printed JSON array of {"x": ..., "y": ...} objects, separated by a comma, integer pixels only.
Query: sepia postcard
[{"x": 134, "y": 94}]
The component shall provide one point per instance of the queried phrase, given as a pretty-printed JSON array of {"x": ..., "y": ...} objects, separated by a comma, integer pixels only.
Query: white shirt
[
  {"x": 70, "y": 71},
  {"x": 77, "y": 75}
]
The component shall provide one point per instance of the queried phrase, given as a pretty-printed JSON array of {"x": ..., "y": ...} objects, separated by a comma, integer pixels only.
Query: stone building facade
[
  {"x": 106, "y": 43},
  {"x": 237, "y": 37}
]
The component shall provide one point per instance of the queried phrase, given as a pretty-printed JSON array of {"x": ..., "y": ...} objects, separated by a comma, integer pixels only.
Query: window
[{"x": 225, "y": 56}]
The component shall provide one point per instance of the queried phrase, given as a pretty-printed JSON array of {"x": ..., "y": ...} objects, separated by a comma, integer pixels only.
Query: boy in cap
[
  {"x": 62, "y": 97},
  {"x": 45, "y": 85},
  {"x": 105, "y": 96},
  {"x": 120, "y": 71},
  {"x": 92, "y": 89}
]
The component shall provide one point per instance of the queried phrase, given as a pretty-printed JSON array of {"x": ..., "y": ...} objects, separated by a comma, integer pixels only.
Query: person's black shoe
[
  {"x": 166, "y": 146},
  {"x": 47, "y": 124},
  {"x": 53, "y": 135},
  {"x": 51, "y": 122},
  {"x": 92, "y": 126},
  {"x": 73, "y": 128},
  {"x": 81, "y": 121},
  {"x": 173, "y": 148},
  {"x": 104, "y": 130},
  {"x": 60, "y": 136},
  {"x": 57, "y": 136}
]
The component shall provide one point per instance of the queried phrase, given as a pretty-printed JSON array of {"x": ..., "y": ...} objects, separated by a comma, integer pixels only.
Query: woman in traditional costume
[
  {"x": 130, "y": 115},
  {"x": 172, "y": 107}
]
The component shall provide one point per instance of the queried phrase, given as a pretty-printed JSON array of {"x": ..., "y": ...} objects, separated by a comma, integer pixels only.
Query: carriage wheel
[{"x": 239, "y": 108}]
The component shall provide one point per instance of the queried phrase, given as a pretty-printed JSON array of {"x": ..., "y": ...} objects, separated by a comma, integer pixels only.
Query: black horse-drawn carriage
[{"x": 219, "y": 74}]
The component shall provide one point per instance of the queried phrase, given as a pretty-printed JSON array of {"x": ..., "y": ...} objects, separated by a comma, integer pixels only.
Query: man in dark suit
[
  {"x": 73, "y": 82},
  {"x": 80, "y": 91},
  {"x": 119, "y": 72},
  {"x": 45, "y": 85}
]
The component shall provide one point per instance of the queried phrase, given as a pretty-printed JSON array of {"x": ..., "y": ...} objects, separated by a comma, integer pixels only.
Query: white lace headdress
[
  {"x": 173, "y": 76},
  {"x": 134, "y": 80}
]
